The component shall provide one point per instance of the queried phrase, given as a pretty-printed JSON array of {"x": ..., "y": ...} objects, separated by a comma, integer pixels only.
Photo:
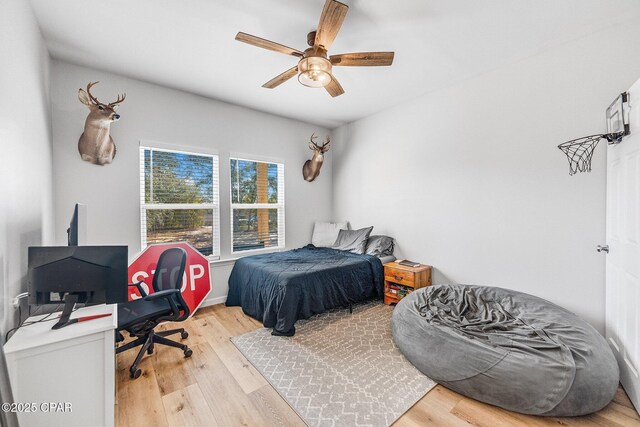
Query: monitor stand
[{"x": 70, "y": 301}]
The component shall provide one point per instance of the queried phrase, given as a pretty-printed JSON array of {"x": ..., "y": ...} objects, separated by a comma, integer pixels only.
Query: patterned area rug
[{"x": 339, "y": 369}]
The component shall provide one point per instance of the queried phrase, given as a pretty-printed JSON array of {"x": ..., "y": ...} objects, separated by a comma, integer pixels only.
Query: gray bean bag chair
[{"x": 506, "y": 348}]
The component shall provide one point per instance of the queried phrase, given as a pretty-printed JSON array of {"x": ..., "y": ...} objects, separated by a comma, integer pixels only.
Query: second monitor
[{"x": 85, "y": 274}]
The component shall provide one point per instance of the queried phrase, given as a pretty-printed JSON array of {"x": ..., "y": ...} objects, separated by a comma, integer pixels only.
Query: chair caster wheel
[
  {"x": 150, "y": 350},
  {"x": 135, "y": 374},
  {"x": 184, "y": 335},
  {"x": 188, "y": 352}
]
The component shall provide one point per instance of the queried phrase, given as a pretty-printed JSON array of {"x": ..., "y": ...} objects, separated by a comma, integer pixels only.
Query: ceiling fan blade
[
  {"x": 267, "y": 44},
  {"x": 334, "y": 87},
  {"x": 281, "y": 78},
  {"x": 331, "y": 19},
  {"x": 362, "y": 59}
]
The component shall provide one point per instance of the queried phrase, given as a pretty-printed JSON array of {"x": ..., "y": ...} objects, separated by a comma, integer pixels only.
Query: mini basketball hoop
[{"x": 580, "y": 151}]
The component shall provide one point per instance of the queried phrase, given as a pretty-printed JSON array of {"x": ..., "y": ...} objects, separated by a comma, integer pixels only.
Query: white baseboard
[{"x": 214, "y": 301}]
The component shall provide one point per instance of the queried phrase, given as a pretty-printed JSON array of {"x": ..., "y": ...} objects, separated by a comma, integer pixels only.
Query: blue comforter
[{"x": 280, "y": 288}]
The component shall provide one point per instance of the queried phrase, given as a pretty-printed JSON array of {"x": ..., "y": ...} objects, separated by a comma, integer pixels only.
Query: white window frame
[
  {"x": 280, "y": 206},
  {"x": 214, "y": 206}
]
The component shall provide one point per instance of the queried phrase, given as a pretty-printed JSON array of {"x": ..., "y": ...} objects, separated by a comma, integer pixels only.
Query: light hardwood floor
[{"x": 217, "y": 386}]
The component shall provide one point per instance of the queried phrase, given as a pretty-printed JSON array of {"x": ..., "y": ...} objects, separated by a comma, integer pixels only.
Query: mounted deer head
[
  {"x": 311, "y": 168},
  {"x": 95, "y": 144}
]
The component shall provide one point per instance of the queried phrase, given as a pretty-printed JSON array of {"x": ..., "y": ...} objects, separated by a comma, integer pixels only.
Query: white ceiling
[{"x": 189, "y": 45}]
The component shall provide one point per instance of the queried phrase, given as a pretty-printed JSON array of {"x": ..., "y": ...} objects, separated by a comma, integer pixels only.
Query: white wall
[
  {"x": 26, "y": 212},
  {"x": 156, "y": 113},
  {"x": 469, "y": 179}
]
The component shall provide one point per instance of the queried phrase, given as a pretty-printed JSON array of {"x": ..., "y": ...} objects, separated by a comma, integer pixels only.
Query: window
[
  {"x": 257, "y": 205},
  {"x": 179, "y": 199}
]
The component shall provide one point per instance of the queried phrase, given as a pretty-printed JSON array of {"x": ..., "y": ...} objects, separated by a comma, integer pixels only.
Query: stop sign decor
[{"x": 196, "y": 282}]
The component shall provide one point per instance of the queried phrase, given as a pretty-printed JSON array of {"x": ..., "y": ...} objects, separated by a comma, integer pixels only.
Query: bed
[{"x": 280, "y": 288}]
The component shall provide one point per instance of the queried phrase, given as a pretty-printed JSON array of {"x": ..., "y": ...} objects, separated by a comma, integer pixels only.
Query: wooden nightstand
[{"x": 407, "y": 279}]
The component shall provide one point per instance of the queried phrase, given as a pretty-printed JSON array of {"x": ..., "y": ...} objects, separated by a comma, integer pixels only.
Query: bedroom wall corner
[
  {"x": 26, "y": 209},
  {"x": 469, "y": 178}
]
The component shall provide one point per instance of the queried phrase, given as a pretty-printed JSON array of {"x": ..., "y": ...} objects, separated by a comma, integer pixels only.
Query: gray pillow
[
  {"x": 353, "y": 240},
  {"x": 380, "y": 246}
]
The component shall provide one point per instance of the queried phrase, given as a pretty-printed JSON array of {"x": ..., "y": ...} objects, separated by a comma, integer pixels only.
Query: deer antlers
[
  {"x": 95, "y": 100},
  {"x": 315, "y": 147},
  {"x": 119, "y": 100}
]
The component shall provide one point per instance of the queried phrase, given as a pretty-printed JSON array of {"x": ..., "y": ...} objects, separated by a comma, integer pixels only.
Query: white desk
[{"x": 75, "y": 364}]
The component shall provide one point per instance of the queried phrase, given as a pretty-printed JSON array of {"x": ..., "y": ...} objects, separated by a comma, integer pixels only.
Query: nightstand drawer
[{"x": 399, "y": 276}]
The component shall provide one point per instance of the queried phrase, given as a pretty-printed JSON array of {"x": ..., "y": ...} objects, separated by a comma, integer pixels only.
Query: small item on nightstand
[{"x": 408, "y": 263}]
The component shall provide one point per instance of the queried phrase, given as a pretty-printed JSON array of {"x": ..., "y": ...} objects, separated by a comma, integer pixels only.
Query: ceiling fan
[{"x": 314, "y": 69}]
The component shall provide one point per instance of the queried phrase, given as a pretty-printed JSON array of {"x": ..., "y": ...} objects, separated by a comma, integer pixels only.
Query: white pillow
[{"x": 326, "y": 233}]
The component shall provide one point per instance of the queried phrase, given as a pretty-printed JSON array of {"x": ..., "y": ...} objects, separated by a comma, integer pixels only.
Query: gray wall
[
  {"x": 469, "y": 178},
  {"x": 156, "y": 113},
  {"x": 26, "y": 212}
]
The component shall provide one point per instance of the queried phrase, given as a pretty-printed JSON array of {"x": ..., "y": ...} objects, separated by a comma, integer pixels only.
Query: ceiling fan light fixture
[
  {"x": 314, "y": 66},
  {"x": 315, "y": 71}
]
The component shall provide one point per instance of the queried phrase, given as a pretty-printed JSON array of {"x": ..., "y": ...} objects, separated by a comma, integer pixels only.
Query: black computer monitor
[
  {"x": 76, "y": 233},
  {"x": 70, "y": 274}
]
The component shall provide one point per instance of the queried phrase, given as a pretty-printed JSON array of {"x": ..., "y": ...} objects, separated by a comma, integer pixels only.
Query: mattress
[{"x": 280, "y": 288}]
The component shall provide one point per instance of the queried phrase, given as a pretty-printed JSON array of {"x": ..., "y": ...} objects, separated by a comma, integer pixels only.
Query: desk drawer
[{"x": 399, "y": 276}]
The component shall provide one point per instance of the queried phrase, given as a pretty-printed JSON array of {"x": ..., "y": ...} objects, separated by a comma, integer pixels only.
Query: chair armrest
[
  {"x": 137, "y": 285},
  {"x": 175, "y": 313},
  {"x": 161, "y": 294}
]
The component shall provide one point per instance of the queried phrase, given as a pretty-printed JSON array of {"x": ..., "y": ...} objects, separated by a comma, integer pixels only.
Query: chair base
[{"x": 148, "y": 342}]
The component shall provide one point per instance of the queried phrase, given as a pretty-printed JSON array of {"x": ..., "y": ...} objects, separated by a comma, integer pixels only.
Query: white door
[{"x": 623, "y": 259}]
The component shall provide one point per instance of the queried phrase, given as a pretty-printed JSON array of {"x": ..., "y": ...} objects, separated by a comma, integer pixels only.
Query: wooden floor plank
[
  {"x": 610, "y": 417},
  {"x": 434, "y": 409},
  {"x": 429, "y": 413},
  {"x": 585, "y": 421},
  {"x": 621, "y": 398},
  {"x": 236, "y": 322},
  {"x": 139, "y": 400},
  {"x": 625, "y": 410},
  {"x": 187, "y": 407},
  {"x": 237, "y": 312},
  {"x": 483, "y": 415},
  {"x": 206, "y": 311},
  {"x": 228, "y": 402},
  {"x": 171, "y": 368},
  {"x": 196, "y": 334},
  {"x": 241, "y": 369},
  {"x": 218, "y": 375},
  {"x": 274, "y": 409},
  {"x": 443, "y": 398}
]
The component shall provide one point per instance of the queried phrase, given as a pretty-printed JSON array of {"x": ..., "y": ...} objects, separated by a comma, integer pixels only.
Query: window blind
[
  {"x": 257, "y": 205},
  {"x": 179, "y": 199}
]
